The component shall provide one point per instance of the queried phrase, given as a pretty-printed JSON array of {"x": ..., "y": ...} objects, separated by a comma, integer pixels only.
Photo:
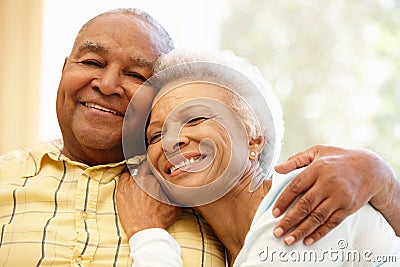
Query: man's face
[{"x": 110, "y": 59}]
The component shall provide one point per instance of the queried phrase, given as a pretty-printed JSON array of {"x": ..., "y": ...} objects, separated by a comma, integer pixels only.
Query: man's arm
[
  {"x": 336, "y": 183},
  {"x": 145, "y": 221}
]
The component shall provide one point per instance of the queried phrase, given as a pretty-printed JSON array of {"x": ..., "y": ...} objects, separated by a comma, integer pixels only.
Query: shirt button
[
  {"x": 84, "y": 215},
  {"x": 78, "y": 260}
]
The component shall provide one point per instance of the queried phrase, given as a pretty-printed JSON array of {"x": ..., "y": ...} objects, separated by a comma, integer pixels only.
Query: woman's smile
[{"x": 185, "y": 165}]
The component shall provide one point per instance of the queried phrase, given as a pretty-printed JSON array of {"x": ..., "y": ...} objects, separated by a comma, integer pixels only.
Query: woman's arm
[
  {"x": 155, "y": 247},
  {"x": 336, "y": 183}
]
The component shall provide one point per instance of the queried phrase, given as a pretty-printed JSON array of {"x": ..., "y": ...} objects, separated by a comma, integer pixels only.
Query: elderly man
[{"x": 58, "y": 201}]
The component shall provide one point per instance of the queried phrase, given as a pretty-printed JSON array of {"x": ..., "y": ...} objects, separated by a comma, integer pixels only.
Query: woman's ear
[{"x": 256, "y": 145}]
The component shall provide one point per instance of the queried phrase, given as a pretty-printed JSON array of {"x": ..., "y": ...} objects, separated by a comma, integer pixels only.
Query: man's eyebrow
[
  {"x": 89, "y": 46},
  {"x": 142, "y": 61},
  {"x": 154, "y": 123}
]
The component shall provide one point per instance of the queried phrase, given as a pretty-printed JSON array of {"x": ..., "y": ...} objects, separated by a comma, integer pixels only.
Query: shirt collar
[
  {"x": 53, "y": 148},
  {"x": 36, "y": 156}
]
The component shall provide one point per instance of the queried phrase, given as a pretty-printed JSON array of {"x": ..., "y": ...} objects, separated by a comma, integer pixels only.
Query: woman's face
[{"x": 194, "y": 136}]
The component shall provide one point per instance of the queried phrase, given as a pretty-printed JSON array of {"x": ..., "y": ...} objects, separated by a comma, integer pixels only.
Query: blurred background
[{"x": 334, "y": 64}]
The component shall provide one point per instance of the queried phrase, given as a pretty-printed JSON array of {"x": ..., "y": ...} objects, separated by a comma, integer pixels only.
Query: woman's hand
[
  {"x": 336, "y": 183},
  {"x": 137, "y": 210}
]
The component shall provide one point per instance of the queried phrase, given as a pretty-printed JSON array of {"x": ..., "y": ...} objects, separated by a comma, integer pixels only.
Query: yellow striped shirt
[{"x": 57, "y": 212}]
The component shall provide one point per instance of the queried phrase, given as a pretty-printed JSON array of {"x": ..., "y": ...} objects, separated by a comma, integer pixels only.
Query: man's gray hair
[{"x": 168, "y": 43}]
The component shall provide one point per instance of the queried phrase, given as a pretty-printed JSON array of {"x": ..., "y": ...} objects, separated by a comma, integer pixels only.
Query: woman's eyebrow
[{"x": 154, "y": 123}]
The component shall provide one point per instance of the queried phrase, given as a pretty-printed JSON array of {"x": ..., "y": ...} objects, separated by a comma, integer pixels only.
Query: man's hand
[
  {"x": 336, "y": 183},
  {"x": 137, "y": 210}
]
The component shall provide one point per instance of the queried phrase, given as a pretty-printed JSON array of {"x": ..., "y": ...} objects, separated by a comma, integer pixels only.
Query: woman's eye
[
  {"x": 154, "y": 138},
  {"x": 195, "y": 121}
]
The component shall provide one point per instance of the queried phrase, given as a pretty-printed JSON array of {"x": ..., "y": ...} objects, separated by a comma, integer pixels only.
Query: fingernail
[
  {"x": 278, "y": 232},
  {"x": 308, "y": 241},
  {"x": 276, "y": 212},
  {"x": 289, "y": 240}
]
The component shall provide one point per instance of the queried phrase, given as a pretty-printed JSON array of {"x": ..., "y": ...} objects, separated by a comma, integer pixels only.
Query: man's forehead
[
  {"x": 92, "y": 46},
  {"x": 105, "y": 20},
  {"x": 113, "y": 23},
  {"x": 116, "y": 16},
  {"x": 92, "y": 37}
]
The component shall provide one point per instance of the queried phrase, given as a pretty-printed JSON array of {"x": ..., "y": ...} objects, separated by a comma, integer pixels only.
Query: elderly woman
[{"x": 213, "y": 136}]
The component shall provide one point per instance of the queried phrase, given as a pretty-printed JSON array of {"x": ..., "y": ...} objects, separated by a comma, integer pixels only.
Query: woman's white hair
[{"x": 237, "y": 74}]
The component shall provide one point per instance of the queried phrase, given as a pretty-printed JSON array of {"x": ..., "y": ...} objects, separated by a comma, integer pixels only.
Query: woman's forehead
[{"x": 188, "y": 89}]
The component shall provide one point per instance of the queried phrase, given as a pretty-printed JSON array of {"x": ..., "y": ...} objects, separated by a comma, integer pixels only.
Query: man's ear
[
  {"x": 65, "y": 63},
  {"x": 256, "y": 145}
]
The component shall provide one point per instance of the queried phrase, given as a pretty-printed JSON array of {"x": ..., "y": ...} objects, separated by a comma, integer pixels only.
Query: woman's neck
[{"x": 230, "y": 217}]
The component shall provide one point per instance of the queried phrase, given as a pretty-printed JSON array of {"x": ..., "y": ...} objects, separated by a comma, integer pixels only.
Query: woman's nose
[{"x": 172, "y": 144}]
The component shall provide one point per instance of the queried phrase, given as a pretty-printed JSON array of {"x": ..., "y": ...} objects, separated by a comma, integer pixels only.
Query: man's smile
[{"x": 101, "y": 108}]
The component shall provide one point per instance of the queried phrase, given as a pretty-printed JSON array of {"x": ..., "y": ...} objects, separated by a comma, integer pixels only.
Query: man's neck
[{"x": 92, "y": 157}]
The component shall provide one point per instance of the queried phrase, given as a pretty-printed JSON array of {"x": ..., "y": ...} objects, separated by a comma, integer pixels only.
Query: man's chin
[
  {"x": 101, "y": 142},
  {"x": 102, "y": 147},
  {"x": 97, "y": 155}
]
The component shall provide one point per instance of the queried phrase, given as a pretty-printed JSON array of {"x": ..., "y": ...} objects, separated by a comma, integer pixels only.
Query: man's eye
[
  {"x": 92, "y": 63},
  {"x": 137, "y": 76},
  {"x": 195, "y": 121}
]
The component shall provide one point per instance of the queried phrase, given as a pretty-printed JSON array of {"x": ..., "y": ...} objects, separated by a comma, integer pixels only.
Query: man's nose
[{"x": 110, "y": 82}]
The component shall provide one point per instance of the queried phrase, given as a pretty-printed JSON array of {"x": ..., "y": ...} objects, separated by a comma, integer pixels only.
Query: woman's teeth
[{"x": 184, "y": 163}]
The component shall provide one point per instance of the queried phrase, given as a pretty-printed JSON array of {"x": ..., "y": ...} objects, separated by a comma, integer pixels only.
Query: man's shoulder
[
  {"x": 53, "y": 145},
  {"x": 21, "y": 162}
]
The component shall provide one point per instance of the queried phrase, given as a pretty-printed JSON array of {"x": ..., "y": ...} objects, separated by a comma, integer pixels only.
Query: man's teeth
[
  {"x": 92, "y": 105},
  {"x": 184, "y": 163}
]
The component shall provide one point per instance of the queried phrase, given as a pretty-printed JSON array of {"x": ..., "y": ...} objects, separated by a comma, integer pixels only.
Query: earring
[{"x": 252, "y": 155}]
